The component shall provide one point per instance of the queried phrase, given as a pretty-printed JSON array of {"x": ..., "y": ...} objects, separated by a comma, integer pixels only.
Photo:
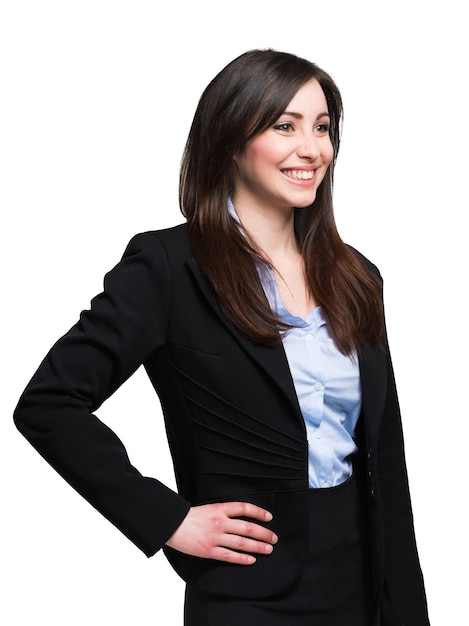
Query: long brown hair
[{"x": 242, "y": 101}]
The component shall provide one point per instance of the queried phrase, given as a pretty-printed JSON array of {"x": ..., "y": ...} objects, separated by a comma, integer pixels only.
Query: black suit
[{"x": 234, "y": 426}]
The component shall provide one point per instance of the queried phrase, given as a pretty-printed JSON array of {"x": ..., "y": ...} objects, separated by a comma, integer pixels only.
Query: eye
[
  {"x": 285, "y": 127},
  {"x": 322, "y": 129}
]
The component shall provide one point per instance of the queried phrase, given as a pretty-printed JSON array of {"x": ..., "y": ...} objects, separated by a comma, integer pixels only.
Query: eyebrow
[{"x": 299, "y": 116}]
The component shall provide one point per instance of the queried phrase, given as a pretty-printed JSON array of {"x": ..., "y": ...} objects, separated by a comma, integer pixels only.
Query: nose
[{"x": 308, "y": 146}]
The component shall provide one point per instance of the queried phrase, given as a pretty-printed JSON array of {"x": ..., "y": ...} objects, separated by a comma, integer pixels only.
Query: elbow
[{"x": 20, "y": 416}]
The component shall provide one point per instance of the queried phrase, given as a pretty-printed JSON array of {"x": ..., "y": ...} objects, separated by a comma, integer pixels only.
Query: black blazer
[{"x": 233, "y": 421}]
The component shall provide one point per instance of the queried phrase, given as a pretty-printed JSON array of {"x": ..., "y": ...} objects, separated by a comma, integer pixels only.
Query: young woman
[{"x": 263, "y": 336}]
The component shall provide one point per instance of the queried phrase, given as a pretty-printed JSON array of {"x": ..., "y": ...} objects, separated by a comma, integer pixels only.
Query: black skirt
[{"x": 334, "y": 588}]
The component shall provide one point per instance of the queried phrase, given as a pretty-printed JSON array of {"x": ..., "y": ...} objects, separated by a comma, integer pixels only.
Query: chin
[{"x": 306, "y": 203}]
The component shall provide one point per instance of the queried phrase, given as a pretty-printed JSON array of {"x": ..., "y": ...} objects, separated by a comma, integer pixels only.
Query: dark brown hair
[{"x": 242, "y": 101}]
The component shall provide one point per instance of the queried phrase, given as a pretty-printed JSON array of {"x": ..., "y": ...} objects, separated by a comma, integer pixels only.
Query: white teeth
[{"x": 299, "y": 174}]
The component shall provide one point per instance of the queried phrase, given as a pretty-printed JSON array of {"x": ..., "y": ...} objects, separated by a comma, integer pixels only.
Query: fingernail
[{"x": 268, "y": 517}]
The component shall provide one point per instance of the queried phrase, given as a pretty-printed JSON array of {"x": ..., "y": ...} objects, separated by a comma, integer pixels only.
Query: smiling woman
[
  {"x": 263, "y": 335},
  {"x": 283, "y": 167}
]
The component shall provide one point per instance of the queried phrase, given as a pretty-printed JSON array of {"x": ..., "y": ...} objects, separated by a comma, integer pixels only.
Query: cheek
[
  {"x": 264, "y": 150},
  {"x": 261, "y": 154}
]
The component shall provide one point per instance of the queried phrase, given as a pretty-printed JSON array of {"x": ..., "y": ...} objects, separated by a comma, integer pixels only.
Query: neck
[
  {"x": 272, "y": 232},
  {"x": 274, "y": 236}
]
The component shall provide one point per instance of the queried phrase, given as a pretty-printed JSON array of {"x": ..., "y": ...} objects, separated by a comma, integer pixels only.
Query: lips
[{"x": 299, "y": 174}]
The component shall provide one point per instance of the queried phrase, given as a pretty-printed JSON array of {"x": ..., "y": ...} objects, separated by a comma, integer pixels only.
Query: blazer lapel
[{"x": 273, "y": 360}]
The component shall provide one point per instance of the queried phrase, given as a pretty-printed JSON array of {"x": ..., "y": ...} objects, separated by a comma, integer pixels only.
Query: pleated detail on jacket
[{"x": 254, "y": 446}]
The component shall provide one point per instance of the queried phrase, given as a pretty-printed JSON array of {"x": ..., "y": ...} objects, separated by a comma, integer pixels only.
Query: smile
[{"x": 299, "y": 174}]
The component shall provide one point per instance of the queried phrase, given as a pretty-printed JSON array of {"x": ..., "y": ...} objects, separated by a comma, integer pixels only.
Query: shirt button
[
  {"x": 309, "y": 337},
  {"x": 317, "y": 386}
]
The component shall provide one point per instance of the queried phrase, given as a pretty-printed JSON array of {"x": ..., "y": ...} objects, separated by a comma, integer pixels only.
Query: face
[{"x": 283, "y": 167}]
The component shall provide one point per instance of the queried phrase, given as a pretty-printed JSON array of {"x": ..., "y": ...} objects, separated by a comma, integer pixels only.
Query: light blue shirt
[{"x": 327, "y": 384}]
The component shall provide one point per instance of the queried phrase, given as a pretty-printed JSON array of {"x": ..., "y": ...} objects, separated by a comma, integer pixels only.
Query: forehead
[{"x": 309, "y": 99}]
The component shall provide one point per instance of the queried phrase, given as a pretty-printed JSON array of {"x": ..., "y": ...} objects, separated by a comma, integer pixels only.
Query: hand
[{"x": 211, "y": 531}]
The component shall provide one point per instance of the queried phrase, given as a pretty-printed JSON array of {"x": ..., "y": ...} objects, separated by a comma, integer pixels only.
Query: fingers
[
  {"x": 257, "y": 540},
  {"x": 244, "y": 535},
  {"x": 246, "y": 509},
  {"x": 231, "y": 556},
  {"x": 215, "y": 531},
  {"x": 247, "y": 535},
  {"x": 241, "y": 540}
]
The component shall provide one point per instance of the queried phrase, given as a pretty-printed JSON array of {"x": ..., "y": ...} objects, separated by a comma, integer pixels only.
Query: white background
[{"x": 97, "y": 98}]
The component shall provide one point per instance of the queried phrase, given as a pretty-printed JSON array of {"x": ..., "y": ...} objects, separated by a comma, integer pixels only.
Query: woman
[{"x": 263, "y": 335}]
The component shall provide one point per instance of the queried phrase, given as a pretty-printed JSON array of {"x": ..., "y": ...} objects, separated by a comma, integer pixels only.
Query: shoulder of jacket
[
  {"x": 173, "y": 240},
  {"x": 371, "y": 266},
  {"x": 173, "y": 233}
]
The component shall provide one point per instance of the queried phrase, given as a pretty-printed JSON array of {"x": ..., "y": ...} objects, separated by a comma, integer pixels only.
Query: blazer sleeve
[
  {"x": 125, "y": 324},
  {"x": 403, "y": 600}
]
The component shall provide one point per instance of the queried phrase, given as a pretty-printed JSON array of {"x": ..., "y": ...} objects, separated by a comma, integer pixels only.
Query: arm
[
  {"x": 403, "y": 598},
  {"x": 125, "y": 324}
]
